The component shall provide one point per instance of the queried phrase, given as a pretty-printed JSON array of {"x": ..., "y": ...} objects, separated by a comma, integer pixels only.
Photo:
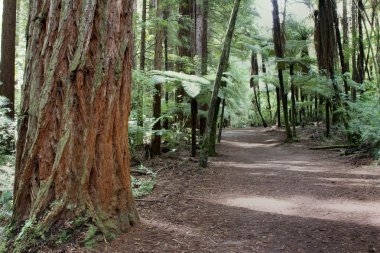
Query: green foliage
[
  {"x": 365, "y": 121},
  {"x": 7, "y": 132},
  {"x": 192, "y": 84},
  {"x": 143, "y": 186},
  {"x": 63, "y": 237},
  {"x": 5, "y": 206},
  {"x": 90, "y": 238}
]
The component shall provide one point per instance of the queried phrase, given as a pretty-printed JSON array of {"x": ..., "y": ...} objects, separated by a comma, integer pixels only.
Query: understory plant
[
  {"x": 365, "y": 121},
  {"x": 7, "y": 133}
]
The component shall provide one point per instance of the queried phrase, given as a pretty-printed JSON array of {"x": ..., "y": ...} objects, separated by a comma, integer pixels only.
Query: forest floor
[{"x": 260, "y": 195}]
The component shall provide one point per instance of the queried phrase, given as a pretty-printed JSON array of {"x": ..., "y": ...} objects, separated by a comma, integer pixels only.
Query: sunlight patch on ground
[
  {"x": 350, "y": 180},
  {"x": 250, "y": 144},
  {"x": 178, "y": 229},
  {"x": 360, "y": 212},
  {"x": 270, "y": 165}
]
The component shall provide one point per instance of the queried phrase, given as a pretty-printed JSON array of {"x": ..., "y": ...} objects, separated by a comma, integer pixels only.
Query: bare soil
[{"x": 260, "y": 195}]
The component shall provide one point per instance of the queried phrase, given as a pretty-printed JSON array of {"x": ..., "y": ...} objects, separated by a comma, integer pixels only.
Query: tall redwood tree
[
  {"x": 72, "y": 151},
  {"x": 8, "y": 54}
]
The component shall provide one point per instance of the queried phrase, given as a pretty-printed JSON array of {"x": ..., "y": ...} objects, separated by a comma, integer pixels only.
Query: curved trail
[{"x": 261, "y": 195}]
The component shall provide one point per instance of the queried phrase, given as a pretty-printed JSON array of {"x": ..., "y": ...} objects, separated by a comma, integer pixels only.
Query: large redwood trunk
[
  {"x": 8, "y": 54},
  {"x": 72, "y": 150}
]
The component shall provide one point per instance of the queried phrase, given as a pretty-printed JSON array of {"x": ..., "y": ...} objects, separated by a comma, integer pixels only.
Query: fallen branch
[
  {"x": 149, "y": 200},
  {"x": 141, "y": 172}
]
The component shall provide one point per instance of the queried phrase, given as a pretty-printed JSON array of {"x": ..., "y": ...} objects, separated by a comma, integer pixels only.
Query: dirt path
[{"x": 261, "y": 195}]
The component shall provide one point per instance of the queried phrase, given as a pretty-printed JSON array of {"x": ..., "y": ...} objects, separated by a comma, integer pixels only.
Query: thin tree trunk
[
  {"x": 355, "y": 74},
  {"x": 72, "y": 159},
  {"x": 213, "y": 136},
  {"x": 278, "y": 105},
  {"x": 156, "y": 139},
  {"x": 343, "y": 62},
  {"x": 140, "y": 86},
  {"x": 8, "y": 55},
  {"x": 203, "y": 161},
  {"x": 316, "y": 109},
  {"x": 166, "y": 14},
  {"x": 293, "y": 98},
  {"x": 194, "y": 120},
  {"x": 328, "y": 105},
  {"x": 254, "y": 85},
  {"x": 361, "y": 54},
  {"x": 267, "y": 89},
  {"x": 279, "y": 48},
  {"x": 221, "y": 121},
  {"x": 346, "y": 44}
]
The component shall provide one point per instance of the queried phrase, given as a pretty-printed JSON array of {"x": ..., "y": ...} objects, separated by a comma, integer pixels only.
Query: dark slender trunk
[
  {"x": 278, "y": 104},
  {"x": 194, "y": 119},
  {"x": 278, "y": 39},
  {"x": 221, "y": 121},
  {"x": 355, "y": 74},
  {"x": 156, "y": 138},
  {"x": 213, "y": 136},
  {"x": 255, "y": 84},
  {"x": 346, "y": 44},
  {"x": 361, "y": 54},
  {"x": 343, "y": 62},
  {"x": 140, "y": 86},
  {"x": 328, "y": 106},
  {"x": 293, "y": 98},
  {"x": 267, "y": 88},
  {"x": 316, "y": 109},
  {"x": 269, "y": 103},
  {"x": 8, "y": 55},
  {"x": 166, "y": 14}
]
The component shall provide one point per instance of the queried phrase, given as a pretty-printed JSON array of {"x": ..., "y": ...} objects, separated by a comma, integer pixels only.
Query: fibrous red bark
[{"x": 72, "y": 150}]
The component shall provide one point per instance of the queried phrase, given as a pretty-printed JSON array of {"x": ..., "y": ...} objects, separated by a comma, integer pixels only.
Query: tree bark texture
[
  {"x": 8, "y": 55},
  {"x": 267, "y": 89},
  {"x": 72, "y": 155}
]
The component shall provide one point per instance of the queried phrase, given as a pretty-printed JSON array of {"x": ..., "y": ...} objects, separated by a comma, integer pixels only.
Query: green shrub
[
  {"x": 7, "y": 131},
  {"x": 365, "y": 122},
  {"x": 143, "y": 186}
]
